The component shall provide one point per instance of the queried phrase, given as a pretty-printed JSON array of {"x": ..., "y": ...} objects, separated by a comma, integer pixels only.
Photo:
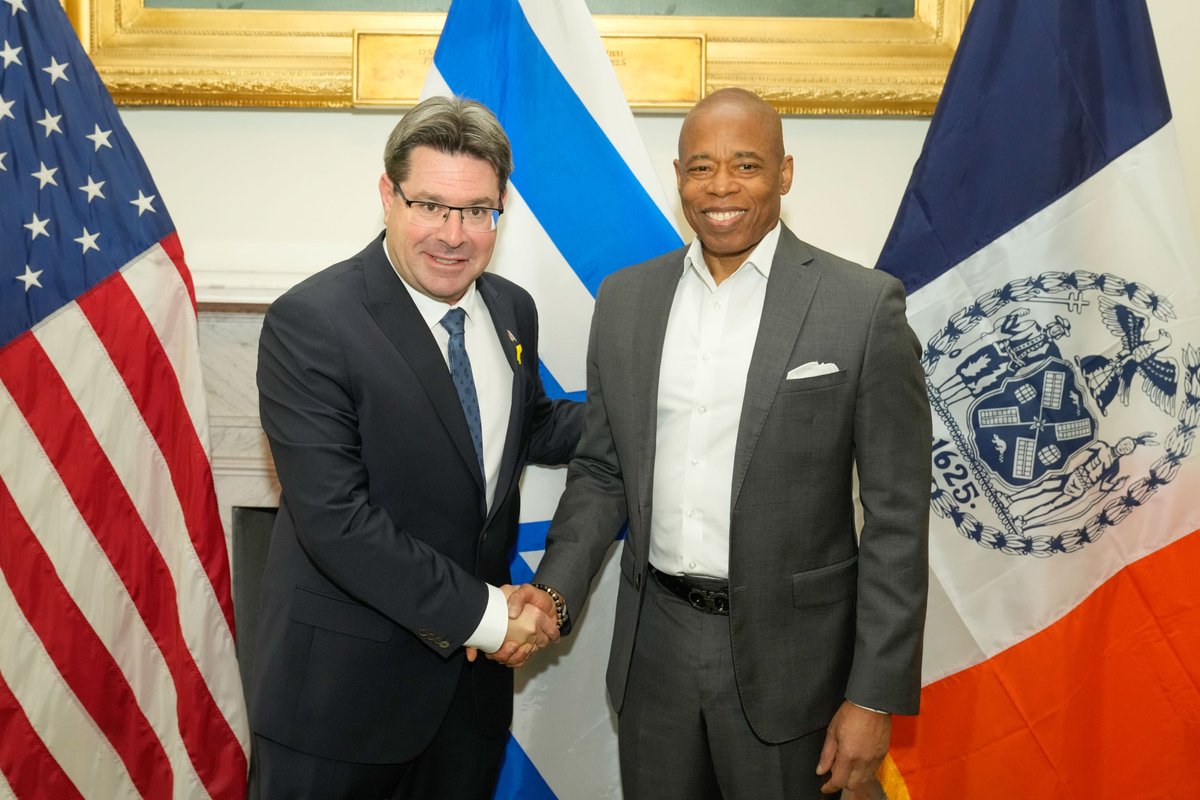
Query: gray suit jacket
[{"x": 817, "y": 616}]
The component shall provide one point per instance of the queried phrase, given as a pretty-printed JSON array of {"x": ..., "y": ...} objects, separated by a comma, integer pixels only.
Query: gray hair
[{"x": 451, "y": 125}]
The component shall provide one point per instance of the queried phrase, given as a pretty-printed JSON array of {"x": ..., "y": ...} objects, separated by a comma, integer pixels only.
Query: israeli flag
[{"x": 583, "y": 201}]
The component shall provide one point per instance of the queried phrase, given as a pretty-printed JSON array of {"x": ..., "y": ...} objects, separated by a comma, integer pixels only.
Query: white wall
[{"x": 263, "y": 198}]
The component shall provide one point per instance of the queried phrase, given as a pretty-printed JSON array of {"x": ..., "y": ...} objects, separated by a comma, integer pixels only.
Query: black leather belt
[{"x": 706, "y": 599}]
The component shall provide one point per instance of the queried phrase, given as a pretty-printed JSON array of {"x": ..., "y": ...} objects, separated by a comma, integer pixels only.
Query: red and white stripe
[{"x": 118, "y": 675}]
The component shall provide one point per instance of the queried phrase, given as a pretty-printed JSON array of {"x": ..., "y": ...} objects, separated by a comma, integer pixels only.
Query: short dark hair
[{"x": 451, "y": 125}]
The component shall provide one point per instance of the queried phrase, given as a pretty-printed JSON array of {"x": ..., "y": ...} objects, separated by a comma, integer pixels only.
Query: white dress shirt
[
  {"x": 701, "y": 384},
  {"x": 493, "y": 385}
]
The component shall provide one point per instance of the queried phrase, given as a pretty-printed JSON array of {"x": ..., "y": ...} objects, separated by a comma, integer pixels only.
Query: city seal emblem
[{"x": 1062, "y": 404}]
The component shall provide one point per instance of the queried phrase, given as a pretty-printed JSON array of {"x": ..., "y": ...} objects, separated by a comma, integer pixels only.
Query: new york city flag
[{"x": 1054, "y": 282}]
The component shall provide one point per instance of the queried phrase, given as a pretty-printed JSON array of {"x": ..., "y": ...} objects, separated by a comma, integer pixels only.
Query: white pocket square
[{"x": 811, "y": 370}]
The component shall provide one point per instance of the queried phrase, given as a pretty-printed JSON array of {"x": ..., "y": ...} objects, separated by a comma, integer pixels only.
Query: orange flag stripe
[{"x": 1091, "y": 705}]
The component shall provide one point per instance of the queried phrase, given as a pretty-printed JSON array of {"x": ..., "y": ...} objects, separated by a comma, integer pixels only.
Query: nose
[
  {"x": 451, "y": 230},
  {"x": 723, "y": 182}
]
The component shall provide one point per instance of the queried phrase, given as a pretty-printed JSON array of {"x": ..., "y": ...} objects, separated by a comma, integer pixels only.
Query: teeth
[
  {"x": 447, "y": 261},
  {"x": 722, "y": 216}
]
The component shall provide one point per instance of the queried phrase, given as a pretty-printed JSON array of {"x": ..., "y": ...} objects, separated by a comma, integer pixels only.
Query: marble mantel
[{"x": 241, "y": 460}]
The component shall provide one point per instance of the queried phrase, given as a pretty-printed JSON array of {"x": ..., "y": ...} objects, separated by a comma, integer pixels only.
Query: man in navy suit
[{"x": 400, "y": 394}]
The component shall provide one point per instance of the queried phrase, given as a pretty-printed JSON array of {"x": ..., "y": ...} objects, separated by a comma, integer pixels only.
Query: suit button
[{"x": 443, "y": 644}]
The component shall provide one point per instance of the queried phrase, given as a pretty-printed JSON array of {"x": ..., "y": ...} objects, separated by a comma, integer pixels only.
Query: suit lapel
[
  {"x": 396, "y": 315},
  {"x": 650, "y": 328},
  {"x": 504, "y": 318},
  {"x": 790, "y": 291}
]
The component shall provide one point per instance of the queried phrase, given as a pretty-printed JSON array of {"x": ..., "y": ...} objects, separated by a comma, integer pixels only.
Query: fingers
[
  {"x": 839, "y": 776},
  {"x": 872, "y": 789},
  {"x": 526, "y": 634},
  {"x": 511, "y": 654},
  {"x": 472, "y": 653},
  {"x": 860, "y": 780},
  {"x": 546, "y": 624},
  {"x": 517, "y": 597},
  {"x": 520, "y": 656},
  {"x": 520, "y": 596},
  {"x": 855, "y": 744},
  {"x": 532, "y": 625},
  {"x": 826, "y": 761},
  {"x": 541, "y": 599},
  {"x": 545, "y": 604}
]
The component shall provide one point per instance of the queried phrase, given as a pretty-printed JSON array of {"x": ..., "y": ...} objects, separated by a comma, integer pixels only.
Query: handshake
[{"x": 532, "y": 625}]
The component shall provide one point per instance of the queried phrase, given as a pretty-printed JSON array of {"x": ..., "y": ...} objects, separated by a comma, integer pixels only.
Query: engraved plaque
[{"x": 654, "y": 71}]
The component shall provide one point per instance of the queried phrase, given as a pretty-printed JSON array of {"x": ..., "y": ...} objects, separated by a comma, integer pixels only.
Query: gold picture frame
[{"x": 305, "y": 59}]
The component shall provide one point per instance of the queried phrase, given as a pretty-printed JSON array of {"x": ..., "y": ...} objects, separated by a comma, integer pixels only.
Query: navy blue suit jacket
[{"x": 383, "y": 544}]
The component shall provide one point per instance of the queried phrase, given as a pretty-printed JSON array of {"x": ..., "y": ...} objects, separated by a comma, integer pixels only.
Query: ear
[
  {"x": 785, "y": 175},
  {"x": 387, "y": 193},
  {"x": 678, "y": 175}
]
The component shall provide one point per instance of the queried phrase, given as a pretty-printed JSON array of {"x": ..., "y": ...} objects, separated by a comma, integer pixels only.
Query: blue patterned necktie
[{"x": 464, "y": 380}]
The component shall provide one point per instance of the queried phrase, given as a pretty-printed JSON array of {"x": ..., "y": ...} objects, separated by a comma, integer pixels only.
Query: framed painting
[{"x": 840, "y": 57}]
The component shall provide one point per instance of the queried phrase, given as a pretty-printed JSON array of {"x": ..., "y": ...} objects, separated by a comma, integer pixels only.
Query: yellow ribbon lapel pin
[{"x": 513, "y": 339}]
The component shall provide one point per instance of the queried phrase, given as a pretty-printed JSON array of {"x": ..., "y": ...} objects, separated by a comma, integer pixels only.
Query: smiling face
[
  {"x": 440, "y": 262},
  {"x": 731, "y": 174}
]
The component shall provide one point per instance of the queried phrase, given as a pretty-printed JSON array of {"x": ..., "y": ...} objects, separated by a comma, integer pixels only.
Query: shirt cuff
[
  {"x": 867, "y": 708},
  {"x": 489, "y": 634}
]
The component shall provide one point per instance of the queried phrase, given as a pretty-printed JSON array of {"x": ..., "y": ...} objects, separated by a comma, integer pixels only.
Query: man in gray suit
[{"x": 761, "y": 642}]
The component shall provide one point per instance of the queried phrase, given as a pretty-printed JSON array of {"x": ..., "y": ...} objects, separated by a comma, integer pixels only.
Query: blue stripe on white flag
[
  {"x": 583, "y": 202},
  {"x": 554, "y": 389},
  {"x": 1048, "y": 117},
  {"x": 583, "y": 194},
  {"x": 519, "y": 777},
  {"x": 531, "y": 537}
]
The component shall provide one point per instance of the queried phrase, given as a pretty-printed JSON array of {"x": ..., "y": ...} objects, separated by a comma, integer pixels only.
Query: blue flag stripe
[
  {"x": 518, "y": 569},
  {"x": 519, "y": 777},
  {"x": 554, "y": 389},
  {"x": 532, "y": 535},
  {"x": 1048, "y": 116},
  {"x": 576, "y": 183}
]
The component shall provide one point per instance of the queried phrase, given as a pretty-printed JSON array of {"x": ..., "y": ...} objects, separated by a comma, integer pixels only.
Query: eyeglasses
[{"x": 429, "y": 214}]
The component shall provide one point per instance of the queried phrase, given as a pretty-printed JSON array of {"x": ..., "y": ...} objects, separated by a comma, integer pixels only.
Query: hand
[
  {"x": 855, "y": 744},
  {"x": 526, "y": 635},
  {"x": 872, "y": 790},
  {"x": 526, "y": 605}
]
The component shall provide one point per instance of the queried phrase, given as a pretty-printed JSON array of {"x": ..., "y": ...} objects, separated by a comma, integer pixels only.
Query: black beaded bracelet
[{"x": 560, "y": 605}]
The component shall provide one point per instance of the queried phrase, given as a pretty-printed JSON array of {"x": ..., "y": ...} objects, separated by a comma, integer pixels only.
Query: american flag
[{"x": 118, "y": 677}]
